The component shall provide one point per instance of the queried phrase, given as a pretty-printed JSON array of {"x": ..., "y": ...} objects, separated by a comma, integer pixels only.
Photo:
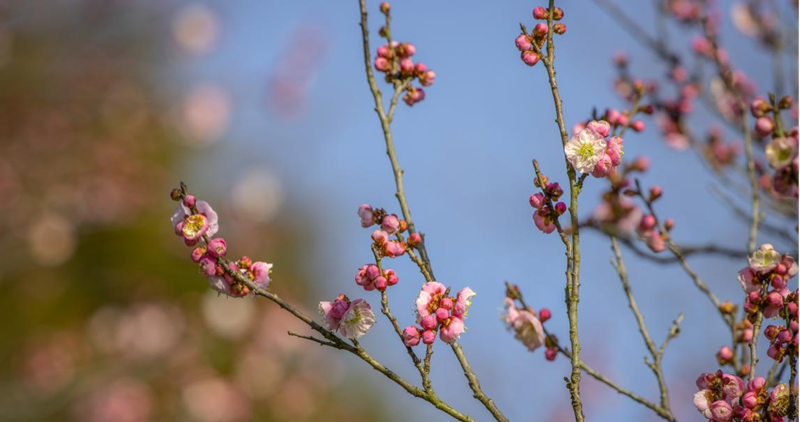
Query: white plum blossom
[
  {"x": 585, "y": 149},
  {"x": 765, "y": 259},
  {"x": 357, "y": 320}
]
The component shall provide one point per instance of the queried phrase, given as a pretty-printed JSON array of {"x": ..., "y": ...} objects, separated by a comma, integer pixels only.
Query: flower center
[
  {"x": 586, "y": 150},
  {"x": 193, "y": 225}
]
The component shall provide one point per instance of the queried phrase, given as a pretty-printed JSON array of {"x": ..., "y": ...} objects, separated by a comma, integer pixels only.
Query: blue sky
[{"x": 467, "y": 153}]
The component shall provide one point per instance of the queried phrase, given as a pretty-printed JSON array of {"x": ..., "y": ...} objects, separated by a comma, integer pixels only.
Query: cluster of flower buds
[
  {"x": 726, "y": 398},
  {"x": 669, "y": 112},
  {"x": 370, "y": 277},
  {"x": 350, "y": 319},
  {"x": 544, "y": 217},
  {"x": 196, "y": 222},
  {"x": 648, "y": 229},
  {"x": 437, "y": 311},
  {"x": 589, "y": 152},
  {"x": 390, "y": 225},
  {"x": 394, "y": 60},
  {"x": 527, "y": 327},
  {"x": 782, "y": 149},
  {"x": 765, "y": 282},
  {"x": 529, "y": 44}
]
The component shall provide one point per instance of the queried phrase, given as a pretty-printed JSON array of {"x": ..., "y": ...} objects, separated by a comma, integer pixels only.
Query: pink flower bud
[
  {"x": 189, "y": 201},
  {"x": 784, "y": 336},
  {"x": 420, "y": 68},
  {"x": 208, "y": 266},
  {"x": 385, "y": 8},
  {"x": 391, "y": 277},
  {"x": 381, "y": 64},
  {"x": 774, "y": 299},
  {"x": 442, "y": 314},
  {"x": 365, "y": 214},
  {"x": 725, "y": 354},
  {"x": 540, "y": 12},
  {"x": 523, "y": 42},
  {"x": 647, "y": 222},
  {"x": 537, "y": 200},
  {"x": 544, "y": 314},
  {"x": 655, "y": 242},
  {"x": 778, "y": 282},
  {"x": 446, "y": 303},
  {"x": 407, "y": 49},
  {"x": 641, "y": 164},
  {"x": 561, "y": 208},
  {"x": 764, "y": 126},
  {"x": 551, "y": 353},
  {"x": 558, "y": 14},
  {"x": 771, "y": 332},
  {"x": 540, "y": 28},
  {"x": 428, "y": 322},
  {"x": 372, "y": 271},
  {"x": 198, "y": 253},
  {"x": 384, "y": 51},
  {"x": 406, "y": 65},
  {"x": 750, "y": 400},
  {"x": 380, "y": 237},
  {"x": 530, "y": 58},
  {"x": 217, "y": 247},
  {"x": 655, "y": 192},
  {"x": 428, "y": 337},
  {"x": 411, "y": 336},
  {"x": 381, "y": 283},
  {"x": 414, "y": 239},
  {"x": 428, "y": 78},
  {"x": 759, "y": 107},
  {"x": 638, "y": 126},
  {"x": 747, "y": 335}
]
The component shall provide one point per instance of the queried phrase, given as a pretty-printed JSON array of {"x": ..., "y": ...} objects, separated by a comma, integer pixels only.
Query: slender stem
[
  {"x": 475, "y": 385},
  {"x": 619, "y": 264},
  {"x": 573, "y": 261}
]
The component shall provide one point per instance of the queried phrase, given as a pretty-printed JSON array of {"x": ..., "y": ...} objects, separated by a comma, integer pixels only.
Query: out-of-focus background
[{"x": 262, "y": 108}]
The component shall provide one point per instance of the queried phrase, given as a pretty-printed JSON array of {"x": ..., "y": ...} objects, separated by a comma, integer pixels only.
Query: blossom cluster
[
  {"x": 530, "y": 45},
  {"x": 546, "y": 214},
  {"x": 589, "y": 152},
  {"x": 196, "y": 222},
  {"x": 389, "y": 225},
  {"x": 765, "y": 281},
  {"x": 394, "y": 60},
  {"x": 725, "y": 398},
  {"x": 370, "y": 277},
  {"x": 437, "y": 311}
]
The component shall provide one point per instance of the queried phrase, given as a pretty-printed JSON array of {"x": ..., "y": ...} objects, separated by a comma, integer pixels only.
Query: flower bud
[
  {"x": 189, "y": 201},
  {"x": 561, "y": 208},
  {"x": 176, "y": 194},
  {"x": 414, "y": 239},
  {"x": 724, "y": 355},
  {"x": 544, "y": 314},
  {"x": 385, "y": 10},
  {"x": 537, "y": 200},
  {"x": 411, "y": 336},
  {"x": 764, "y": 126},
  {"x": 540, "y": 29},
  {"x": 380, "y": 237},
  {"x": 669, "y": 223},
  {"x": 391, "y": 277},
  {"x": 198, "y": 253},
  {"x": 550, "y": 354},
  {"x": 446, "y": 303},
  {"x": 217, "y": 247},
  {"x": 428, "y": 322},
  {"x": 380, "y": 283},
  {"x": 785, "y": 102},
  {"x": 442, "y": 314},
  {"x": 522, "y": 42},
  {"x": 558, "y": 14},
  {"x": 428, "y": 337},
  {"x": 655, "y": 192},
  {"x": 530, "y": 58},
  {"x": 559, "y": 28},
  {"x": 540, "y": 13},
  {"x": 637, "y": 126},
  {"x": 759, "y": 107}
]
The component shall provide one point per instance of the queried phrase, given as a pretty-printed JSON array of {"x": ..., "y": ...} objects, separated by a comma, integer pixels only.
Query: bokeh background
[{"x": 262, "y": 107}]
